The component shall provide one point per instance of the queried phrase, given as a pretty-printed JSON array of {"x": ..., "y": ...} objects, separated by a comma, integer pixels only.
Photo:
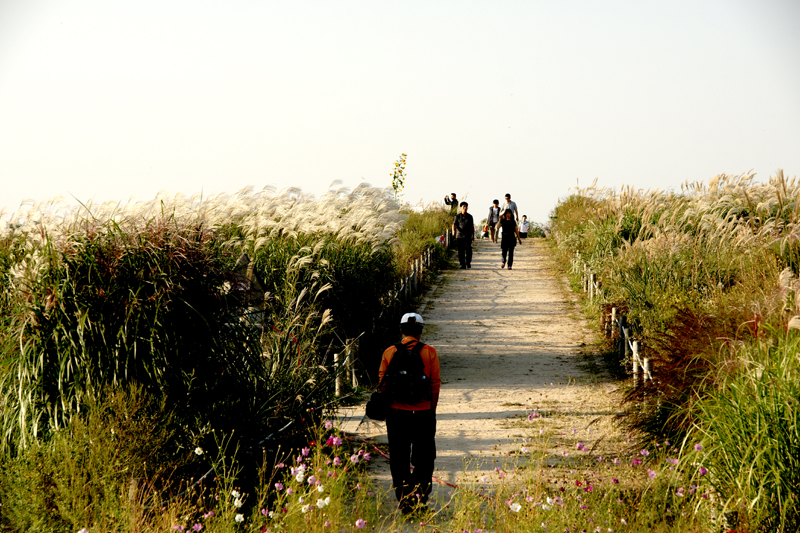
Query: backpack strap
[{"x": 417, "y": 349}]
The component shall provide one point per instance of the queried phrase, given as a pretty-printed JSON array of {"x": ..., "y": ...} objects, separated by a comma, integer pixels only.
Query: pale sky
[{"x": 108, "y": 99}]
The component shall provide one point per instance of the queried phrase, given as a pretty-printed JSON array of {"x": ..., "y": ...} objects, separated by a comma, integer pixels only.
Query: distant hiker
[
  {"x": 464, "y": 232},
  {"x": 509, "y": 238},
  {"x": 493, "y": 218},
  {"x": 410, "y": 375},
  {"x": 452, "y": 201},
  {"x": 509, "y": 204},
  {"x": 524, "y": 226}
]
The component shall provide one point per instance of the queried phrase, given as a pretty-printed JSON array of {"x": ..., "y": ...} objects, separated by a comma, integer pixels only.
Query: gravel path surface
[{"x": 510, "y": 345}]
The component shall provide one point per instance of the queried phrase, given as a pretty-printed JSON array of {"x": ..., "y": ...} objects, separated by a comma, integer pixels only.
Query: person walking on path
[
  {"x": 493, "y": 218},
  {"x": 524, "y": 227},
  {"x": 464, "y": 231},
  {"x": 510, "y": 236},
  {"x": 411, "y": 427},
  {"x": 452, "y": 201},
  {"x": 509, "y": 204}
]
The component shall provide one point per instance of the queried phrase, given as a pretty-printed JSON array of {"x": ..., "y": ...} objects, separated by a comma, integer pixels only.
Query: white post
[
  {"x": 626, "y": 348},
  {"x": 592, "y": 282},
  {"x": 585, "y": 278},
  {"x": 338, "y": 390},
  {"x": 613, "y": 320},
  {"x": 647, "y": 369},
  {"x": 351, "y": 368},
  {"x": 635, "y": 363}
]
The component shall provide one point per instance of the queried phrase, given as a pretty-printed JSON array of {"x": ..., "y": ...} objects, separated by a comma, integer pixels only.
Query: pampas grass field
[
  {"x": 709, "y": 276},
  {"x": 134, "y": 334},
  {"x": 168, "y": 365}
]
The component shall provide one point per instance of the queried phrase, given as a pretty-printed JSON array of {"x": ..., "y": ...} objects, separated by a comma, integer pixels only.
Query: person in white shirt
[
  {"x": 510, "y": 205},
  {"x": 524, "y": 226}
]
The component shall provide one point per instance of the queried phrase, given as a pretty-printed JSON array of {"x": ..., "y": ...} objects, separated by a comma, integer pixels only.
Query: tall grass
[
  {"x": 751, "y": 431},
  {"x": 224, "y": 312},
  {"x": 707, "y": 277}
]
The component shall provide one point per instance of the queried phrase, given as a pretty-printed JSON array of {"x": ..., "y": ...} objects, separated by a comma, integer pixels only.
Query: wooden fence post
[
  {"x": 351, "y": 356},
  {"x": 613, "y": 320},
  {"x": 338, "y": 389},
  {"x": 635, "y": 363}
]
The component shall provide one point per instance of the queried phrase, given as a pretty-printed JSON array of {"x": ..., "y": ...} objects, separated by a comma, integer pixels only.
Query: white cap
[{"x": 412, "y": 318}]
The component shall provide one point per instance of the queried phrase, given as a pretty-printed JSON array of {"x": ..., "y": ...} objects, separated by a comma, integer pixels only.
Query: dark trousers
[
  {"x": 464, "y": 251},
  {"x": 508, "y": 250},
  {"x": 411, "y": 442}
]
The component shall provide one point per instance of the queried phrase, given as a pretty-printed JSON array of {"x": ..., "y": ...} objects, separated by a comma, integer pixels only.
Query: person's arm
[
  {"x": 516, "y": 230},
  {"x": 436, "y": 380},
  {"x": 454, "y": 226},
  {"x": 385, "y": 360}
]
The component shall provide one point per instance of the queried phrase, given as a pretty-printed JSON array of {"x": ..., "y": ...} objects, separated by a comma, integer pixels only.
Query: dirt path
[{"x": 509, "y": 343}]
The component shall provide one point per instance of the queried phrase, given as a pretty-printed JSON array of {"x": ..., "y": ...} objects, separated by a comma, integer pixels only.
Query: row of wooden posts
[
  {"x": 410, "y": 285},
  {"x": 615, "y": 325}
]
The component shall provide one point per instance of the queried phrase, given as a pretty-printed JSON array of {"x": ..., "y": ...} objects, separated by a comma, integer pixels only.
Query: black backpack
[{"x": 405, "y": 378}]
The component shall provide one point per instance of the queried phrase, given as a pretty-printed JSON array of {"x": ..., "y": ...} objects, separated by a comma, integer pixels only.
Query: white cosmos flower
[
  {"x": 198, "y": 451},
  {"x": 300, "y": 477},
  {"x": 515, "y": 507},
  {"x": 320, "y": 488},
  {"x": 239, "y": 518}
]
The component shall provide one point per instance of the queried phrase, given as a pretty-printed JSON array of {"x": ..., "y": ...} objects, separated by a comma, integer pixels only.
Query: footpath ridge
[{"x": 510, "y": 348}]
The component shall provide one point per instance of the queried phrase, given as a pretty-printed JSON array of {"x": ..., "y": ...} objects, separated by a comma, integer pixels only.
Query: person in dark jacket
[
  {"x": 452, "y": 201},
  {"x": 464, "y": 232},
  {"x": 508, "y": 241}
]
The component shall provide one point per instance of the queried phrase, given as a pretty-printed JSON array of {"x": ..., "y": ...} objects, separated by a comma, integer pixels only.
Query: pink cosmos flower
[
  {"x": 698, "y": 447},
  {"x": 305, "y": 451},
  {"x": 644, "y": 452},
  {"x": 361, "y": 523},
  {"x": 651, "y": 473},
  {"x": 703, "y": 471},
  {"x": 328, "y": 424},
  {"x": 337, "y": 461},
  {"x": 279, "y": 486}
]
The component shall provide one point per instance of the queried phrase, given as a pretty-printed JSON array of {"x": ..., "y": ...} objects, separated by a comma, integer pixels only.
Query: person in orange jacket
[{"x": 411, "y": 427}]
